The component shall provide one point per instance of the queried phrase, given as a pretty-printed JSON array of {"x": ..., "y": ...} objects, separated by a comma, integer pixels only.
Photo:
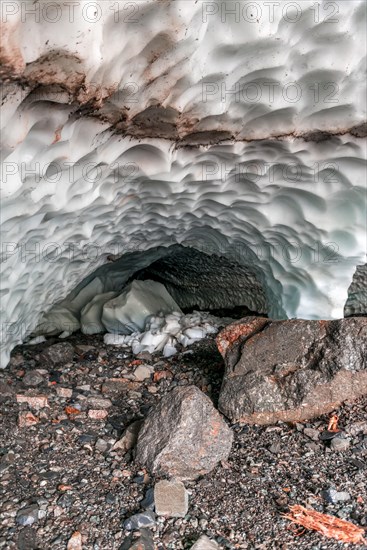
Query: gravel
[{"x": 63, "y": 470}]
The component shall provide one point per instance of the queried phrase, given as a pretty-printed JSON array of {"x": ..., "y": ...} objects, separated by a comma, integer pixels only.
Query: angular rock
[
  {"x": 357, "y": 427},
  {"x": 340, "y": 443},
  {"x": 99, "y": 403},
  {"x": 148, "y": 501},
  {"x": 97, "y": 414},
  {"x": 58, "y": 354},
  {"x": 171, "y": 499},
  {"x": 75, "y": 542},
  {"x": 205, "y": 543},
  {"x": 144, "y": 542},
  {"x": 143, "y": 519},
  {"x": 115, "y": 386},
  {"x": 312, "y": 434},
  {"x": 17, "y": 360},
  {"x": 334, "y": 496},
  {"x": 83, "y": 349},
  {"x": 356, "y": 303},
  {"x": 26, "y": 419},
  {"x": 184, "y": 436},
  {"x": 64, "y": 392},
  {"x": 34, "y": 401},
  {"x": 291, "y": 370},
  {"x": 27, "y": 516},
  {"x": 33, "y": 378},
  {"x": 142, "y": 372},
  {"x": 101, "y": 445}
]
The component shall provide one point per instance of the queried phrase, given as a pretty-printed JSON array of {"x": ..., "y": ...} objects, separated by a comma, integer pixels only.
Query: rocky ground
[{"x": 63, "y": 471}]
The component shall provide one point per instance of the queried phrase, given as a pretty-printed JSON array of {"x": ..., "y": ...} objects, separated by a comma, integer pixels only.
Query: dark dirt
[{"x": 65, "y": 463}]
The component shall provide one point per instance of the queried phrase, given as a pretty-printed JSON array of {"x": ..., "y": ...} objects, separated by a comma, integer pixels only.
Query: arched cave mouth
[
  {"x": 183, "y": 157},
  {"x": 197, "y": 280}
]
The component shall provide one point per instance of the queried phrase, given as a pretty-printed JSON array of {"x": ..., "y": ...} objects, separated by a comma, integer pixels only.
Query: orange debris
[
  {"x": 26, "y": 419},
  {"x": 330, "y": 526},
  {"x": 135, "y": 363},
  {"x": 159, "y": 375},
  {"x": 333, "y": 424},
  {"x": 71, "y": 410},
  {"x": 63, "y": 487}
]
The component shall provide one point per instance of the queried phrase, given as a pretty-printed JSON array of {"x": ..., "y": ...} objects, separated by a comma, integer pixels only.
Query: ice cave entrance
[{"x": 153, "y": 300}]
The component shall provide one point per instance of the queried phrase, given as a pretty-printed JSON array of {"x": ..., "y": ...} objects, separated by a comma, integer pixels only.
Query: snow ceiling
[{"x": 234, "y": 128}]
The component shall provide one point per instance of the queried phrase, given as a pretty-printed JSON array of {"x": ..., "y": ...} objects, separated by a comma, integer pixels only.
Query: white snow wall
[{"x": 233, "y": 127}]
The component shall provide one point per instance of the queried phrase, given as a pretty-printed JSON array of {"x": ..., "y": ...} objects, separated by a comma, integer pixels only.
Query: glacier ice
[
  {"x": 129, "y": 134},
  {"x": 91, "y": 314},
  {"x": 129, "y": 311}
]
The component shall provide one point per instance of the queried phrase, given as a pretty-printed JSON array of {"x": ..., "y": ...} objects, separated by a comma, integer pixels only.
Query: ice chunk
[
  {"x": 169, "y": 349},
  {"x": 136, "y": 346},
  {"x": 36, "y": 340},
  {"x": 114, "y": 339},
  {"x": 65, "y": 334},
  {"x": 165, "y": 332},
  {"x": 191, "y": 320},
  {"x": 185, "y": 340},
  {"x": 155, "y": 323},
  {"x": 210, "y": 329},
  {"x": 172, "y": 325},
  {"x": 195, "y": 333},
  {"x": 91, "y": 314},
  {"x": 153, "y": 342},
  {"x": 129, "y": 311}
]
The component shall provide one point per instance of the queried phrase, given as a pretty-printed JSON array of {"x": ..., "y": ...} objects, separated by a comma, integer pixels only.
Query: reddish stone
[
  {"x": 34, "y": 401},
  {"x": 97, "y": 414},
  {"x": 240, "y": 330},
  {"x": 161, "y": 375},
  {"x": 75, "y": 541},
  {"x": 26, "y": 419}
]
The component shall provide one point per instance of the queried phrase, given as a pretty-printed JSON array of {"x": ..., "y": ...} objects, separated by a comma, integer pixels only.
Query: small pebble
[
  {"x": 333, "y": 496},
  {"x": 340, "y": 443}
]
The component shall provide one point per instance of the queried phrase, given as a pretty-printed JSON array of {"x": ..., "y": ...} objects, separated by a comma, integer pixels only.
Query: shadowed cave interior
[{"x": 196, "y": 280}]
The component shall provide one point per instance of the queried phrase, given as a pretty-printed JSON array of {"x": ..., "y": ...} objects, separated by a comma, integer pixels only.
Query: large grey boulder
[
  {"x": 184, "y": 436},
  {"x": 291, "y": 370}
]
